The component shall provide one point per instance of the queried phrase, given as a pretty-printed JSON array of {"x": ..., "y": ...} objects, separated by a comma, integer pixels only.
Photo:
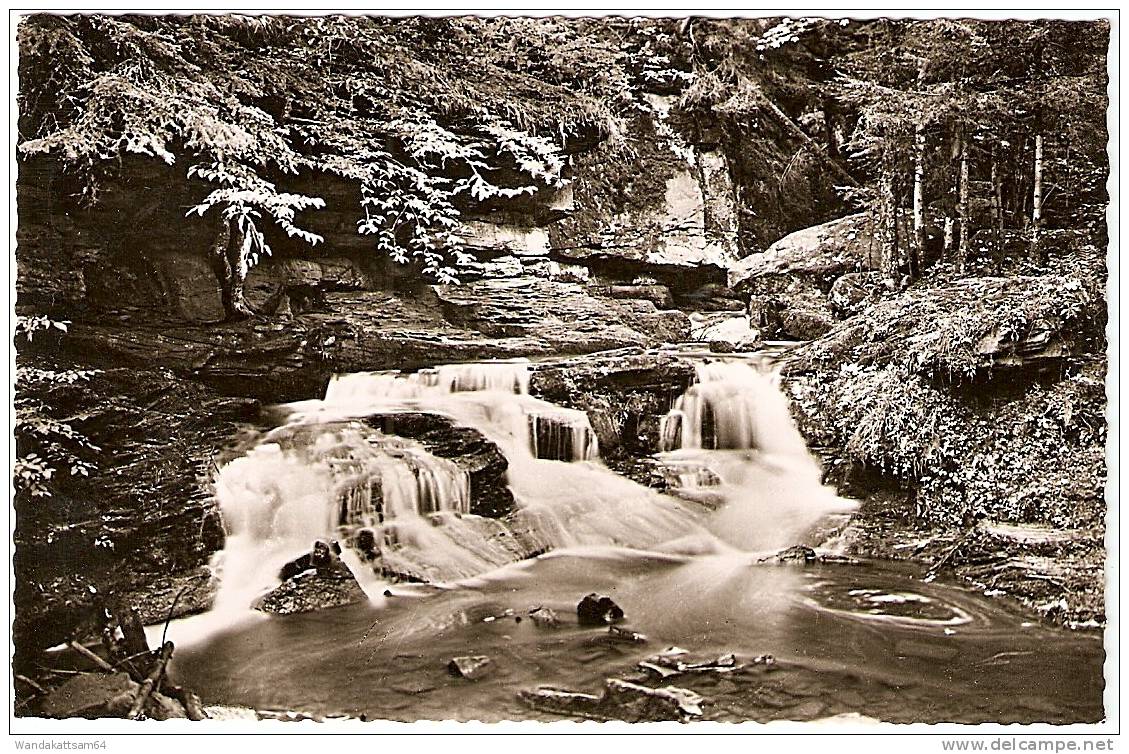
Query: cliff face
[{"x": 666, "y": 210}]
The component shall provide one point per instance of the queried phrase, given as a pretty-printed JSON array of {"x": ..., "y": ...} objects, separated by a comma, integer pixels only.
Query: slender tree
[
  {"x": 962, "y": 205},
  {"x": 917, "y": 255}
]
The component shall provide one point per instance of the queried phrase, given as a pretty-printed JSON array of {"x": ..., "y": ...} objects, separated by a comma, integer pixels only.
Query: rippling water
[{"x": 868, "y": 639}]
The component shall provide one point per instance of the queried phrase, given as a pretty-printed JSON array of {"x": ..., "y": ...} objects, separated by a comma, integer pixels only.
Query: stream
[{"x": 691, "y": 569}]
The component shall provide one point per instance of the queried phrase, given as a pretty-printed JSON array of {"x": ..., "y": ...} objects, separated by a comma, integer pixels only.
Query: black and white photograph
[{"x": 587, "y": 371}]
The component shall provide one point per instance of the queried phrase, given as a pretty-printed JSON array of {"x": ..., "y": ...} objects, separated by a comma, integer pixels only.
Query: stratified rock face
[
  {"x": 493, "y": 240},
  {"x": 364, "y": 331},
  {"x": 143, "y": 522},
  {"x": 626, "y": 394},
  {"x": 564, "y": 315},
  {"x": 820, "y": 253},
  {"x": 671, "y": 211}
]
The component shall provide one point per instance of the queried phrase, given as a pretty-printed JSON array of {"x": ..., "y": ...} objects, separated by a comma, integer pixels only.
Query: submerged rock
[
  {"x": 621, "y": 700},
  {"x": 598, "y": 610},
  {"x": 544, "y": 617},
  {"x": 794, "y": 554},
  {"x": 616, "y": 633},
  {"x": 675, "y": 661},
  {"x": 641, "y": 704},
  {"x": 471, "y": 667}
]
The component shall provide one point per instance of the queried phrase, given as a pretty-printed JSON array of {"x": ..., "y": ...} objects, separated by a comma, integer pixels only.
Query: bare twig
[
  {"x": 24, "y": 679},
  {"x": 91, "y": 656},
  {"x": 176, "y": 599}
]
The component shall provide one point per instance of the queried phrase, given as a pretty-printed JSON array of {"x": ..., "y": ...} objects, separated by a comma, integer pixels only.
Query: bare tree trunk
[
  {"x": 917, "y": 253},
  {"x": 962, "y": 209},
  {"x": 229, "y": 263},
  {"x": 889, "y": 221},
  {"x": 1037, "y": 202},
  {"x": 997, "y": 206},
  {"x": 798, "y": 132},
  {"x": 953, "y": 178}
]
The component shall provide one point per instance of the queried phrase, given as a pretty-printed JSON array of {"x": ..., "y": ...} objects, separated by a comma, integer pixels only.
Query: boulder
[
  {"x": 544, "y": 617},
  {"x": 806, "y": 323},
  {"x": 470, "y": 667},
  {"x": 325, "y": 582},
  {"x": 479, "y": 456},
  {"x": 598, "y": 610},
  {"x": 625, "y": 393},
  {"x": 91, "y": 695},
  {"x": 724, "y": 332},
  {"x": 794, "y": 554},
  {"x": 854, "y": 291},
  {"x": 822, "y": 252}
]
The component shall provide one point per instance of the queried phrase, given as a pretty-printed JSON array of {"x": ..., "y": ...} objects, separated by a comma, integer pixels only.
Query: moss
[{"x": 979, "y": 394}]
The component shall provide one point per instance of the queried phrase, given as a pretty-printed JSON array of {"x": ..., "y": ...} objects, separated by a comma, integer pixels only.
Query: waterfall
[
  {"x": 719, "y": 411},
  {"x": 306, "y": 482},
  {"x": 395, "y": 507},
  {"x": 401, "y": 512},
  {"x": 731, "y": 438},
  {"x": 562, "y": 436}
]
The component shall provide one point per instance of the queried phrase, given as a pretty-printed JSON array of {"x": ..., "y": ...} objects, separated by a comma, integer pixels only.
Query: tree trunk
[
  {"x": 953, "y": 189},
  {"x": 1037, "y": 202},
  {"x": 917, "y": 253},
  {"x": 798, "y": 132},
  {"x": 889, "y": 221},
  {"x": 962, "y": 209},
  {"x": 997, "y": 206},
  {"x": 228, "y": 257}
]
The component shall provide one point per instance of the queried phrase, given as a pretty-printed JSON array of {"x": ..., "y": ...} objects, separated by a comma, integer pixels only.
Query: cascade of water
[
  {"x": 719, "y": 410},
  {"x": 308, "y": 482},
  {"x": 494, "y": 394},
  {"x": 732, "y": 432},
  {"x": 562, "y": 436},
  {"x": 401, "y": 510}
]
